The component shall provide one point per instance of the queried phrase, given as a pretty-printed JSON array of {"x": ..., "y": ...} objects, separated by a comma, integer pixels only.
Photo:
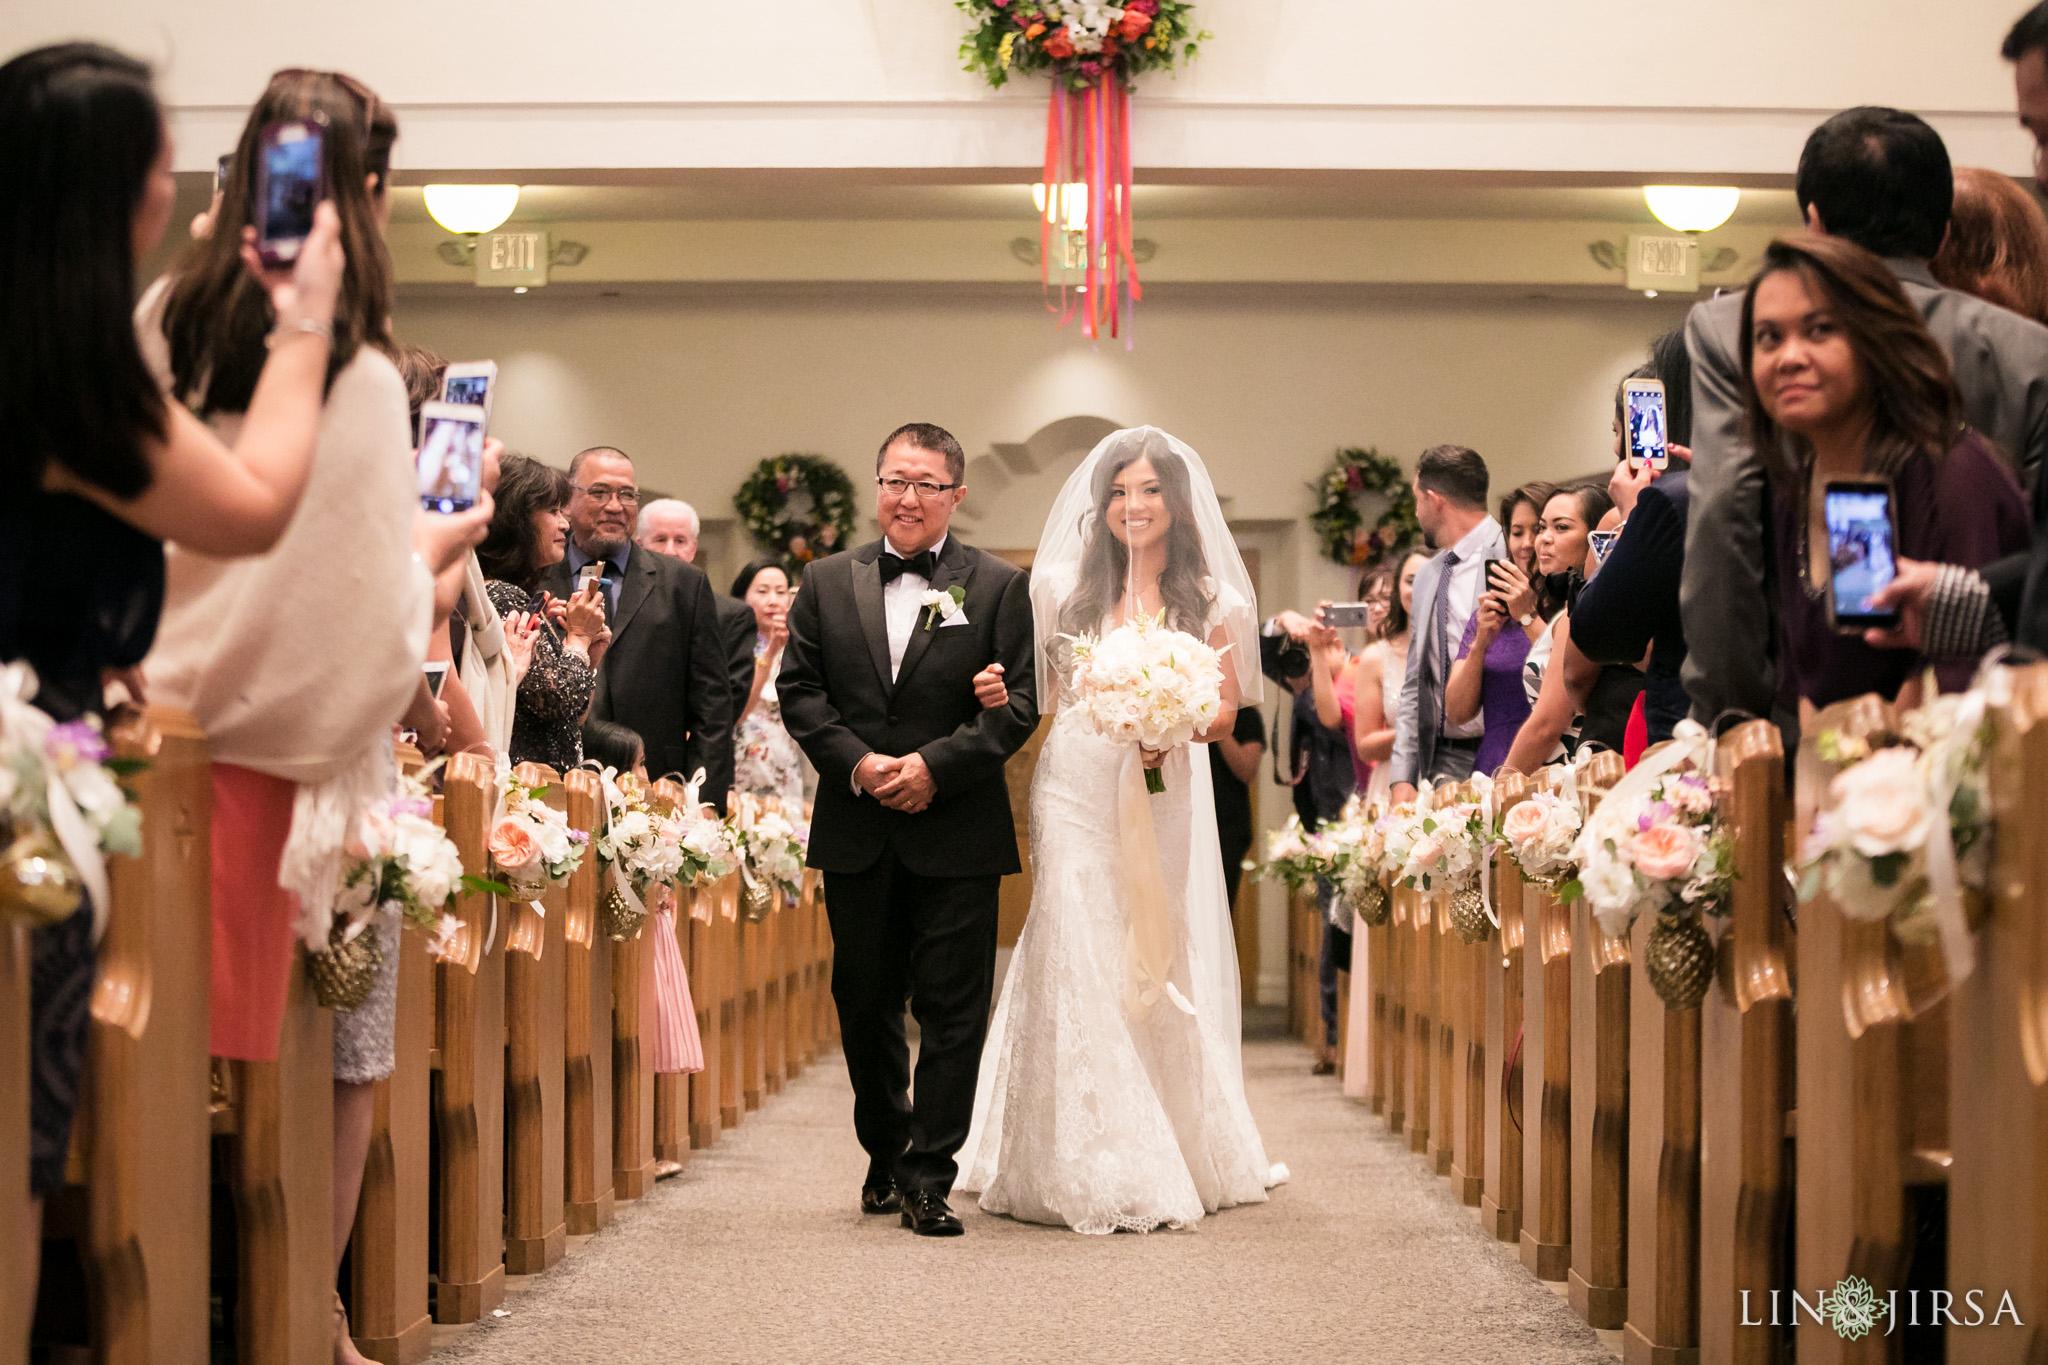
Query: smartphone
[
  {"x": 592, "y": 576},
  {"x": 1601, "y": 542},
  {"x": 450, "y": 462},
  {"x": 437, "y": 673},
  {"x": 220, "y": 172},
  {"x": 1343, "y": 615},
  {"x": 291, "y": 180},
  {"x": 1642, "y": 407},
  {"x": 470, "y": 382},
  {"x": 1863, "y": 535}
]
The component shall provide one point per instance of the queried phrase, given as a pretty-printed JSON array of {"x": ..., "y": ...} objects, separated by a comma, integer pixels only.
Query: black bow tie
[{"x": 924, "y": 564}]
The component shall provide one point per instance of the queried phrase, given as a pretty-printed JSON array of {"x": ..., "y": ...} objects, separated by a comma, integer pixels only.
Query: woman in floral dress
[{"x": 766, "y": 761}]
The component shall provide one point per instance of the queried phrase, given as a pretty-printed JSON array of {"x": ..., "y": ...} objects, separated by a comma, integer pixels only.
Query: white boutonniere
[{"x": 942, "y": 606}]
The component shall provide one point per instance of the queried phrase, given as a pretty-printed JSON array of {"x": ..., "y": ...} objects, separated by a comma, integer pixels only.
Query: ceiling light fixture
[
  {"x": 1692, "y": 208},
  {"x": 471, "y": 209},
  {"x": 1069, "y": 204}
]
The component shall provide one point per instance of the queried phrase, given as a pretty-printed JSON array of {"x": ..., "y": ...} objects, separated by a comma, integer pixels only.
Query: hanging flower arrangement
[
  {"x": 798, "y": 508},
  {"x": 1092, "y": 51},
  {"x": 1339, "y": 523}
]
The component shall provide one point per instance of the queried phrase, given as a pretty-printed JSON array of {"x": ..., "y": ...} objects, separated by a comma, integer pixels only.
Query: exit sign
[
  {"x": 1668, "y": 264},
  {"x": 513, "y": 256}
]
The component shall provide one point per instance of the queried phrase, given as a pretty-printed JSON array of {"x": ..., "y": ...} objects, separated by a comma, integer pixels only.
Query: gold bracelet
[{"x": 285, "y": 331}]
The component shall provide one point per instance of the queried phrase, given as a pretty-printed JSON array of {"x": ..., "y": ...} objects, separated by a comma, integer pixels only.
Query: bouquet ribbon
[
  {"x": 1991, "y": 687},
  {"x": 17, "y": 684},
  {"x": 1484, "y": 784},
  {"x": 1148, "y": 948}
]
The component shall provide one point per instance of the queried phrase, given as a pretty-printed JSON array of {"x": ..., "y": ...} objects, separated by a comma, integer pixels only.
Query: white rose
[{"x": 1881, "y": 804}]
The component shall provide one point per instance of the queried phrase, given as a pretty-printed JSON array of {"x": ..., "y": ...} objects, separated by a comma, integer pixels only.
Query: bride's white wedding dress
[{"x": 1090, "y": 1112}]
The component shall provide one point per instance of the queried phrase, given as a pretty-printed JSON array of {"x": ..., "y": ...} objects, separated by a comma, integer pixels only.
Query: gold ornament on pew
[
  {"x": 756, "y": 901},
  {"x": 1370, "y": 902},
  {"x": 344, "y": 975},
  {"x": 617, "y": 919},
  {"x": 1678, "y": 958},
  {"x": 38, "y": 882},
  {"x": 1468, "y": 915}
]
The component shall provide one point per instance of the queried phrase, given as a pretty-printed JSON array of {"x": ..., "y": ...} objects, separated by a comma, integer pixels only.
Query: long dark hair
[
  {"x": 509, "y": 552},
  {"x": 80, "y": 131},
  {"x": 1105, "y": 562},
  {"x": 1397, "y": 615},
  {"x": 1916, "y": 406},
  {"x": 217, "y": 317}
]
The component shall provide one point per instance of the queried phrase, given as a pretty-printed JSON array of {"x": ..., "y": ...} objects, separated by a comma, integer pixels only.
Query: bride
[{"x": 1094, "y": 1109}]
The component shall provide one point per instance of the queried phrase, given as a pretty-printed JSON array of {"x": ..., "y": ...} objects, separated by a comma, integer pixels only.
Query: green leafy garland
[
  {"x": 812, "y": 532},
  {"x": 1341, "y": 526}
]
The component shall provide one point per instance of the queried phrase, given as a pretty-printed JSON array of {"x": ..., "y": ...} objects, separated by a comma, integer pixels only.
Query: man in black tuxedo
[
  {"x": 670, "y": 527},
  {"x": 912, "y": 822},
  {"x": 664, "y": 675}
]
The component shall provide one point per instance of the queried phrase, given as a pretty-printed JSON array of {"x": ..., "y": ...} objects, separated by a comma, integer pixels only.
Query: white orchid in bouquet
[
  {"x": 1147, "y": 685},
  {"x": 402, "y": 863},
  {"x": 1539, "y": 831},
  {"x": 1444, "y": 847},
  {"x": 1904, "y": 819},
  {"x": 1653, "y": 844},
  {"x": 531, "y": 843}
]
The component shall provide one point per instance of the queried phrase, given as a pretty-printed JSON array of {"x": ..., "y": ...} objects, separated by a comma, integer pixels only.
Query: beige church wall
[{"x": 699, "y": 388}]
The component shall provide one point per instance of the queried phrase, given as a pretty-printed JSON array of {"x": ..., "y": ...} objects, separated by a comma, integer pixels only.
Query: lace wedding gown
[{"x": 1089, "y": 1114}]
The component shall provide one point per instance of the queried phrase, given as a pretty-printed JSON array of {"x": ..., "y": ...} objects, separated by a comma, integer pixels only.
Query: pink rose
[
  {"x": 512, "y": 848},
  {"x": 1663, "y": 852},
  {"x": 1524, "y": 821}
]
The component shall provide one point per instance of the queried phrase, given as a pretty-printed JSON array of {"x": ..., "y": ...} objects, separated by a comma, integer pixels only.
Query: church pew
[
  {"x": 536, "y": 1228},
  {"x": 141, "y": 1140},
  {"x": 797, "y": 990},
  {"x": 1500, "y": 1204},
  {"x": 388, "y": 1254},
  {"x": 633, "y": 1160},
  {"x": 1997, "y": 1223},
  {"x": 1600, "y": 991},
  {"x": 1377, "y": 985},
  {"x": 672, "y": 1089},
  {"x": 18, "y": 1261},
  {"x": 1878, "y": 1101},
  {"x": 1421, "y": 1040},
  {"x": 774, "y": 1065},
  {"x": 725, "y": 970},
  {"x": 1443, "y": 947},
  {"x": 1546, "y": 1084},
  {"x": 469, "y": 1101},
  {"x": 824, "y": 1012},
  {"x": 700, "y": 958},
  {"x": 1745, "y": 1057},
  {"x": 1400, "y": 948},
  {"x": 586, "y": 1028},
  {"x": 753, "y": 983}
]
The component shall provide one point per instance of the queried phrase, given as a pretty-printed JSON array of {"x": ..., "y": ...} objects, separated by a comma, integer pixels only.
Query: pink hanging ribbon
[{"x": 1088, "y": 142}]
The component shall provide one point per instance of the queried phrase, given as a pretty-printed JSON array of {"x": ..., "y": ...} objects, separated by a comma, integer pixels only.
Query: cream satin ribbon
[
  {"x": 1484, "y": 784},
  {"x": 1991, "y": 687},
  {"x": 1690, "y": 741},
  {"x": 32, "y": 725},
  {"x": 1148, "y": 947}
]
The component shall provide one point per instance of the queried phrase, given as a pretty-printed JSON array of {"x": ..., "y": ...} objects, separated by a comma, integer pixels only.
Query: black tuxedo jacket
[
  {"x": 840, "y": 706},
  {"x": 666, "y": 675},
  {"x": 737, "y": 623}
]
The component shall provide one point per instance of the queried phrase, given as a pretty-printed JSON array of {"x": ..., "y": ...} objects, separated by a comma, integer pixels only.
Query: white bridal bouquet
[
  {"x": 1145, "y": 684},
  {"x": 1540, "y": 831},
  {"x": 531, "y": 844}
]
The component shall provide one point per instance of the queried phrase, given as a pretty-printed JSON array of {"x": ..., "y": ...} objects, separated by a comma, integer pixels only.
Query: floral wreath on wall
[
  {"x": 1079, "y": 41},
  {"x": 1340, "y": 524},
  {"x": 798, "y": 507}
]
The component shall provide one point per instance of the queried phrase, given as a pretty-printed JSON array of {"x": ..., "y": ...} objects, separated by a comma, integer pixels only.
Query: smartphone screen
[
  {"x": 1861, "y": 556},
  {"x": 220, "y": 172},
  {"x": 287, "y": 188},
  {"x": 450, "y": 461},
  {"x": 469, "y": 389},
  {"x": 1600, "y": 543},
  {"x": 1643, "y": 401},
  {"x": 437, "y": 674}
]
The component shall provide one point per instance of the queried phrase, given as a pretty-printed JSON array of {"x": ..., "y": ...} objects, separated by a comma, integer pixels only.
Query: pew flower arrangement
[
  {"x": 531, "y": 844},
  {"x": 1539, "y": 831},
  {"x": 61, "y": 806},
  {"x": 1363, "y": 878},
  {"x": 1293, "y": 855},
  {"x": 1904, "y": 832},
  {"x": 770, "y": 850},
  {"x": 397, "y": 861}
]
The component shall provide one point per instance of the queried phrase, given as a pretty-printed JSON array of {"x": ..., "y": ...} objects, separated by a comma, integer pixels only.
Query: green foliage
[
  {"x": 1339, "y": 523},
  {"x": 797, "y": 534}
]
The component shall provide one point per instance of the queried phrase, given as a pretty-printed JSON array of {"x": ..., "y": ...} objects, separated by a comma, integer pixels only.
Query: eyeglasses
[
  {"x": 896, "y": 488},
  {"x": 602, "y": 493}
]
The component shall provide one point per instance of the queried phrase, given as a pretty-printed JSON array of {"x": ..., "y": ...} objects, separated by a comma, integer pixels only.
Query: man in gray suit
[
  {"x": 1881, "y": 178},
  {"x": 1450, "y": 503}
]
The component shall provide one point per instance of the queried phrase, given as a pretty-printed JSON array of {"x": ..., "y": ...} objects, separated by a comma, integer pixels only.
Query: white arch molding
[{"x": 1010, "y": 490}]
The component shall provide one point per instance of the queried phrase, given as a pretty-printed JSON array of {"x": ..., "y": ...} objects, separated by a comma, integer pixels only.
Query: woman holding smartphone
[
  {"x": 1840, "y": 374},
  {"x": 1567, "y": 678},
  {"x": 99, "y": 469},
  {"x": 1506, "y": 624}
]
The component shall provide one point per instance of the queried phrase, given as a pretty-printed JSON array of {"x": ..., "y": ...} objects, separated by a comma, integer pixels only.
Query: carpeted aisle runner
[{"x": 758, "y": 1252}]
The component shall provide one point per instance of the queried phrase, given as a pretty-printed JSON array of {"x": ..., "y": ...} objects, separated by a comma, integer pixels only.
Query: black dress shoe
[
  {"x": 881, "y": 1198},
  {"x": 926, "y": 1214}
]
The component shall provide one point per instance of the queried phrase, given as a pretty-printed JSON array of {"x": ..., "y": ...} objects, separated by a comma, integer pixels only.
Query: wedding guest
[
  {"x": 671, "y": 527},
  {"x": 1376, "y": 683},
  {"x": 1488, "y": 682},
  {"x": 298, "y": 721},
  {"x": 528, "y": 536},
  {"x": 1569, "y": 680},
  {"x": 96, "y": 456},
  {"x": 666, "y": 675},
  {"x": 1234, "y": 764},
  {"x": 1450, "y": 504},
  {"x": 610, "y": 745},
  {"x": 1879, "y": 178},
  {"x": 1838, "y": 363},
  {"x": 766, "y": 761},
  {"x": 1997, "y": 244}
]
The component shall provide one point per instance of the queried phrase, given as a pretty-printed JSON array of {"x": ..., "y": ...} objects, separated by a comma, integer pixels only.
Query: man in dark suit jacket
[
  {"x": 665, "y": 674},
  {"x": 912, "y": 823},
  {"x": 1631, "y": 604},
  {"x": 1881, "y": 178},
  {"x": 669, "y": 526}
]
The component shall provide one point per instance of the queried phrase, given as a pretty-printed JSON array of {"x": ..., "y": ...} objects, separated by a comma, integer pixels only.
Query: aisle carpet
[{"x": 757, "y": 1252}]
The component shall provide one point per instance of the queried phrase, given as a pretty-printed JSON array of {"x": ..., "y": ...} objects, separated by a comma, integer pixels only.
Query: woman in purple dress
[
  {"x": 1841, "y": 377},
  {"x": 1509, "y": 618}
]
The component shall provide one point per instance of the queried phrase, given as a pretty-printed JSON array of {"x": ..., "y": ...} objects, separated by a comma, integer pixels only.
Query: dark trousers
[
  {"x": 1336, "y": 958},
  {"x": 930, "y": 941}
]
